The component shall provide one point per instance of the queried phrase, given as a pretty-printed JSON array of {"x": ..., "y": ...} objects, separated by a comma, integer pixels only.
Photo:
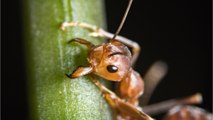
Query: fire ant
[{"x": 112, "y": 61}]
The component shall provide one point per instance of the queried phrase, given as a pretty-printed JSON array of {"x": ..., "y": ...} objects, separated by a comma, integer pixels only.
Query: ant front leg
[
  {"x": 98, "y": 32},
  {"x": 81, "y": 71},
  {"x": 124, "y": 109}
]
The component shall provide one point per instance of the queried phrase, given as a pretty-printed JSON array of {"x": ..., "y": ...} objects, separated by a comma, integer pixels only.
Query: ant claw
[
  {"x": 64, "y": 25},
  {"x": 68, "y": 76}
]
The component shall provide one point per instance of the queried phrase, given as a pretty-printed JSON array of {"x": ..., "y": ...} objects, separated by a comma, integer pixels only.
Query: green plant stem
[{"x": 53, "y": 96}]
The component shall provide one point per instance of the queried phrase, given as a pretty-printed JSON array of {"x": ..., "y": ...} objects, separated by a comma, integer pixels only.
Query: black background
[{"x": 175, "y": 31}]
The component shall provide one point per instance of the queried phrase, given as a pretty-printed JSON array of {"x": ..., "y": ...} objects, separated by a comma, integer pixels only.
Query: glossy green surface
[{"x": 52, "y": 95}]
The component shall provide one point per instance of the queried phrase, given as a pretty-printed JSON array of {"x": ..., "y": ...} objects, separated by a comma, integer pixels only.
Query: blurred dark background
[{"x": 178, "y": 32}]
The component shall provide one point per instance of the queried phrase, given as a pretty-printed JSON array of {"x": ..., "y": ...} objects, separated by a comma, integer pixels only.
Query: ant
[{"x": 112, "y": 61}]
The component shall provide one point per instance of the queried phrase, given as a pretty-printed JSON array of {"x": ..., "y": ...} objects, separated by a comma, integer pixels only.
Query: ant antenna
[{"x": 123, "y": 19}]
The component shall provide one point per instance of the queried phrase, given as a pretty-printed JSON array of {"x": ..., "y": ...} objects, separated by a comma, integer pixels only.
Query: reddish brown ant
[
  {"x": 113, "y": 60},
  {"x": 185, "y": 112}
]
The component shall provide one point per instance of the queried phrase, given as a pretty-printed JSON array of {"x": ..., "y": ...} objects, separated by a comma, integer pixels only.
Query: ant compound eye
[{"x": 112, "y": 68}]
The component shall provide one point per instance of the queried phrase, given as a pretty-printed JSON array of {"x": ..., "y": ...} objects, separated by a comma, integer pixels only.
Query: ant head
[{"x": 111, "y": 61}]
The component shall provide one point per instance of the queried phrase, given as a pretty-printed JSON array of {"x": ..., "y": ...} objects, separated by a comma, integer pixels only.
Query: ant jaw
[
  {"x": 67, "y": 75},
  {"x": 80, "y": 71},
  {"x": 70, "y": 76}
]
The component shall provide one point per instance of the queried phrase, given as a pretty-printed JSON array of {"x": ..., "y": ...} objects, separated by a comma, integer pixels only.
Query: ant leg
[
  {"x": 93, "y": 28},
  {"x": 164, "y": 106},
  {"x": 151, "y": 79},
  {"x": 109, "y": 95},
  {"x": 98, "y": 32},
  {"x": 120, "y": 105},
  {"x": 65, "y": 25},
  {"x": 81, "y": 41}
]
